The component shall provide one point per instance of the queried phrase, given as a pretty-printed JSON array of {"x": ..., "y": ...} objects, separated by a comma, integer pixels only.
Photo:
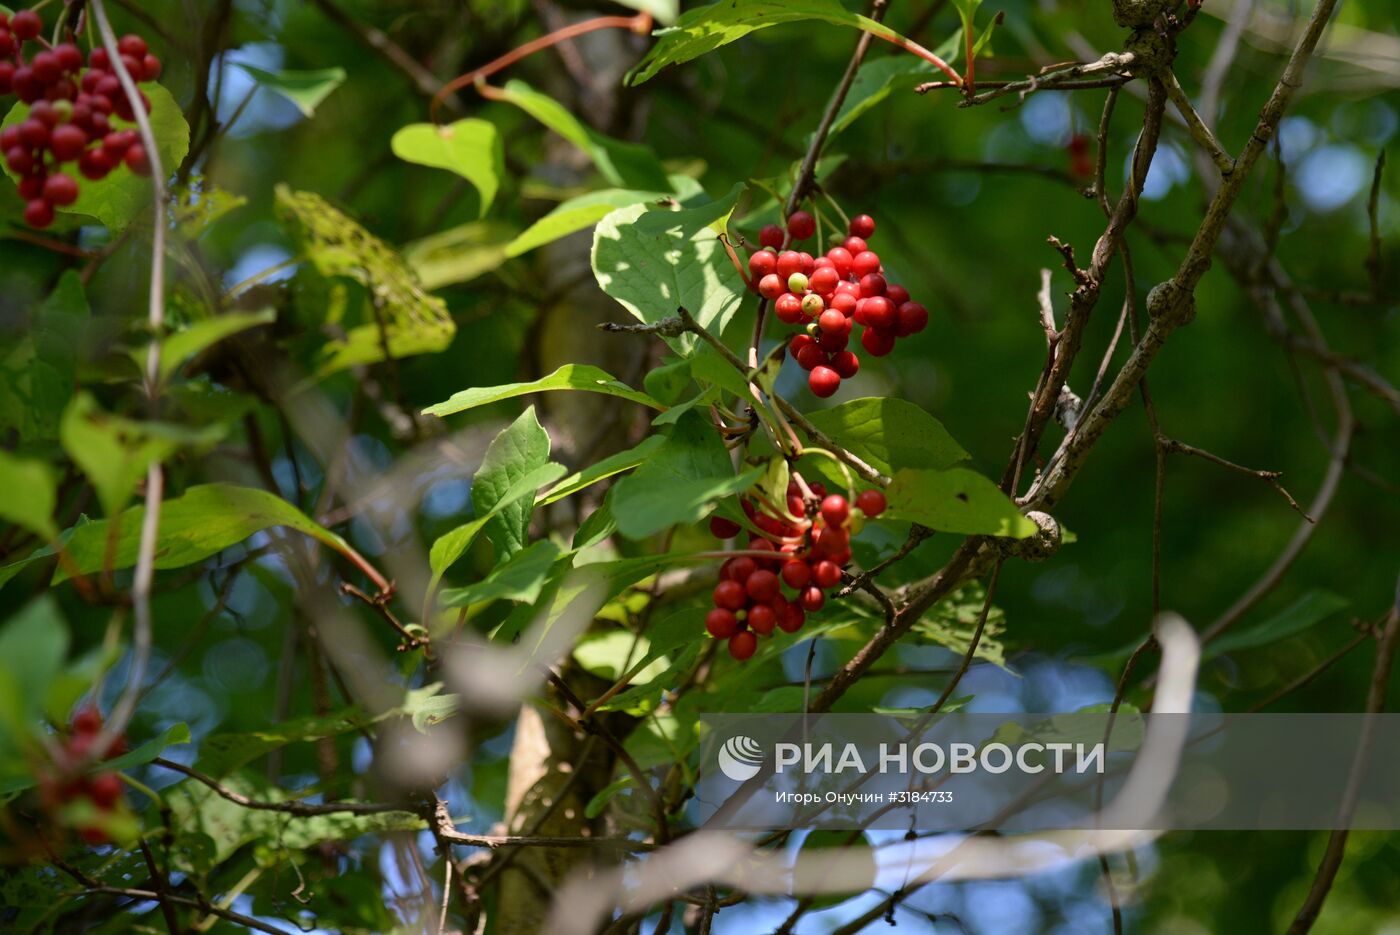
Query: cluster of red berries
[
  {"x": 70, "y": 115},
  {"x": 104, "y": 789},
  {"x": 1081, "y": 158},
  {"x": 809, "y": 550},
  {"x": 832, "y": 294}
]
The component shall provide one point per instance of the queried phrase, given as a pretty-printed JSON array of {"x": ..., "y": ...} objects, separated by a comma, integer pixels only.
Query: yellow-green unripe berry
[{"x": 797, "y": 283}]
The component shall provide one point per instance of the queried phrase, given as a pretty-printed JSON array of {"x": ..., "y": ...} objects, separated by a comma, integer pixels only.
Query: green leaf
[
  {"x": 414, "y": 322},
  {"x": 986, "y": 37},
  {"x": 221, "y": 754},
  {"x": 114, "y": 452},
  {"x": 663, "y": 11},
  {"x": 630, "y": 165},
  {"x": 612, "y": 653},
  {"x": 471, "y": 148},
  {"x": 203, "y": 522},
  {"x": 681, "y": 483},
  {"x": 519, "y": 579},
  {"x": 123, "y": 196},
  {"x": 200, "y": 336},
  {"x": 38, "y": 373},
  {"x": 33, "y": 645},
  {"x": 520, "y": 448},
  {"x": 609, "y": 466},
  {"x": 706, "y": 28},
  {"x": 459, "y": 254},
  {"x": 889, "y": 434},
  {"x": 200, "y": 811},
  {"x": 429, "y": 705},
  {"x": 305, "y": 89},
  {"x": 653, "y": 260},
  {"x": 452, "y": 545},
  {"x": 874, "y": 81},
  {"x": 600, "y": 800},
  {"x": 1307, "y": 611},
  {"x": 30, "y": 494},
  {"x": 955, "y": 500},
  {"x": 577, "y": 214},
  {"x": 568, "y": 377},
  {"x": 952, "y": 621}
]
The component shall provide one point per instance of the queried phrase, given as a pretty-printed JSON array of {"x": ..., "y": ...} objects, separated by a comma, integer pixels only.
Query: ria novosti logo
[{"x": 740, "y": 758}]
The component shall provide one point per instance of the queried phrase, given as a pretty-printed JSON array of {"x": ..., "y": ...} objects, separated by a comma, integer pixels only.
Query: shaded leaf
[
  {"x": 680, "y": 484},
  {"x": 1308, "y": 610},
  {"x": 518, "y": 579},
  {"x": 889, "y": 434},
  {"x": 305, "y": 89},
  {"x": 200, "y": 336},
  {"x": 577, "y": 214},
  {"x": 653, "y": 260},
  {"x": 630, "y": 165},
  {"x": 30, "y": 494},
  {"x": 459, "y": 254},
  {"x": 520, "y": 449}
]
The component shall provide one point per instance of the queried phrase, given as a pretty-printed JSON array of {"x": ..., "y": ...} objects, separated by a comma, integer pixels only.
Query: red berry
[
  {"x": 742, "y": 569},
  {"x": 730, "y": 595},
  {"x": 46, "y": 68},
  {"x": 824, "y": 381},
  {"x": 60, "y": 190},
  {"x": 45, "y": 113},
  {"x": 94, "y": 836},
  {"x": 832, "y": 321},
  {"x": 809, "y": 264},
  {"x": 835, "y": 509},
  {"x": 856, "y": 245},
  {"x": 789, "y": 263},
  {"x": 840, "y": 259},
  {"x": 826, "y": 574},
  {"x": 871, "y": 503},
  {"x": 38, "y": 213},
  {"x": 32, "y": 186},
  {"x": 762, "y": 263},
  {"x": 865, "y": 263},
  {"x": 913, "y": 318},
  {"x": 87, "y": 720},
  {"x": 721, "y": 623},
  {"x": 132, "y": 45},
  {"x": 771, "y": 236},
  {"x": 846, "y": 363},
  {"x": 70, "y": 57},
  {"x": 98, "y": 60},
  {"x": 7, "y": 77},
  {"x": 798, "y": 342},
  {"x": 796, "y": 574},
  {"x": 812, "y": 598},
  {"x": 824, "y": 280},
  {"x": 26, "y": 25},
  {"x": 879, "y": 312},
  {"x": 872, "y": 284},
  {"x": 801, "y": 225},
  {"x": 863, "y": 226},
  {"x": 762, "y": 585},
  {"x": 35, "y": 133},
  {"x": 791, "y": 619},
  {"x": 722, "y": 528},
  {"x": 67, "y": 142},
  {"x": 811, "y": 356},
  {"x": 742, "y": 645},
  {"x": 770, "y": 286},
  {"x": 137, "y": 161},
  {"x": 788, "y": 308},
  {"x": 844, "y": 302},
  {"x": 19, "y": 160},
  {"x": 833, "y": 341},
  {"x": 151, "y": 67},
  {"x": 878, "y": 343},
  {"x": 897, "y": 294},
  {"x": 762, "y": 619},
  {"x": 95, "y": 164},
  {"x": 105, "y": 789}
]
